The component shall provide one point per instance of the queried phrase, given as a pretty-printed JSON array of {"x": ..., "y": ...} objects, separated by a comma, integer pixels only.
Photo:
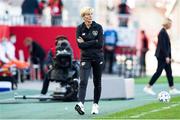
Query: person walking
[
  {"x": 163, "y": 55},
  {"x": 90, "y": 41}
]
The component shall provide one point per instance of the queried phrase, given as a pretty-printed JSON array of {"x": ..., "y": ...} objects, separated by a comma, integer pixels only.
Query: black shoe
[{"x": 79, "y": 108}]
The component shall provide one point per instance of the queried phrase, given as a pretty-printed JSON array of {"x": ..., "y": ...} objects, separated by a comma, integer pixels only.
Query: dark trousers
[
  {"x": 45, "y": 84},
  {"x": 85, "y": 69},
  {"x": 143, "y": 63},
  {"x": 56, "y": 20},
  {"x": 162, "y": 65},
  {"x": 42, "y": 69},
  {"x": 109, "y": 58}
]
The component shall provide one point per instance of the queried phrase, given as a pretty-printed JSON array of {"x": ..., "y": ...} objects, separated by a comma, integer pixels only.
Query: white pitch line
[
  {"x": 154, "y": 110},
  {"x": 4, "y": 100}
]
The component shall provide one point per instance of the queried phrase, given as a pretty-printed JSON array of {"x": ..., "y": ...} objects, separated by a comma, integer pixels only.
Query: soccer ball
[{"x": 164, "y": 96}]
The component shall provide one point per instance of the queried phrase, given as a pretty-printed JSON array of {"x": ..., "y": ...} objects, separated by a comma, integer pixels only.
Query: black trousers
[
  {"x": 45, "y": 84},
  {"x": 163, "y": 65},
  {"x": 143, "y": 63},
  {"x": 85, "y": 69},
  {"x": 109, "y": 58}
]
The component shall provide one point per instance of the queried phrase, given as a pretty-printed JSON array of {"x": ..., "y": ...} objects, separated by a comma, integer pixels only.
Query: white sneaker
[
  {"x": 174, "y": 91},
  {"x": 80, "y": 108},
  {"x": 95, "y": 109},
  {"x": 43, "y": 97},
  {"x": 149, "y": 90}
]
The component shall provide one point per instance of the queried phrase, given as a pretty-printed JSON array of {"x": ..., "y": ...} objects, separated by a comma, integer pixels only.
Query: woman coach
[{"x": 90, "y": 41}]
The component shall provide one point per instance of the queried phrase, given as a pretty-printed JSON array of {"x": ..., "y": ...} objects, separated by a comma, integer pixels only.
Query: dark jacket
[
  {"x": 37, "y": 53},
  {"x": 163, "y": 49},
  {"x": 92, "y": 47},
  {"x": 29, "y": 6}
]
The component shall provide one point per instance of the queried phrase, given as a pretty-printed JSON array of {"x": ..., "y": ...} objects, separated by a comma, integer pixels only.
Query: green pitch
[
  {"x": 156, "y": 110},
  {"x": 142, "y": 106},
  {"x": 162, "y": 79}
]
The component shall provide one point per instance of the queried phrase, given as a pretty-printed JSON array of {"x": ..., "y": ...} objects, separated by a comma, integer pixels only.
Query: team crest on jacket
[{"x": 95, "y": 32}]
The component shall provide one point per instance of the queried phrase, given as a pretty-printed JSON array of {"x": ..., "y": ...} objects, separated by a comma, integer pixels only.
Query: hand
[
  {"x": 168, "y": 60},
  {"x": 80, "y": 40}
]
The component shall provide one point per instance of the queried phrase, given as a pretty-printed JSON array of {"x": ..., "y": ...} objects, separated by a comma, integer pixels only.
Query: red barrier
[
  {"x": 4, "y": 31},
  {"x": 45, "y": 36}
]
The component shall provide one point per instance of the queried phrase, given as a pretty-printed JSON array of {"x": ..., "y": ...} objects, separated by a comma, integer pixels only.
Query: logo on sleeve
[
  {"x": 95, "y": 33},
  {"x": 83, "y": 34}
]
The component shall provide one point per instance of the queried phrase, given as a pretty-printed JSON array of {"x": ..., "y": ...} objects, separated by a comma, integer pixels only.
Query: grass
[
  {"x": 156, "y": 110},
  {"x": 162, "y": 79},
  {"x": 54, "y": 110}
]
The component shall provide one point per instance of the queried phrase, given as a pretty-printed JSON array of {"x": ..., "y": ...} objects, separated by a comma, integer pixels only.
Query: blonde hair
[
  {"x": 166, "y": 21},
  {"x": 86, "y": 10}
]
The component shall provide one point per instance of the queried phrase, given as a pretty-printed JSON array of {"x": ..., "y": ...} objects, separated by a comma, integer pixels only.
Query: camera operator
[{"x": 62, "y": 45}]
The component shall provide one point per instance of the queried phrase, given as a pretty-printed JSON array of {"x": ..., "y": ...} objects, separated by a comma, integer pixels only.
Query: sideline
[{"x": 155, "y": 110}]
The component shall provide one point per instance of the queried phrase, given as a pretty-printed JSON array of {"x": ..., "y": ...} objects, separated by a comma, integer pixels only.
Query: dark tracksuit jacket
[
  {"x": 91, "y": 49},
  {"x": 91, "y": 57}
]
